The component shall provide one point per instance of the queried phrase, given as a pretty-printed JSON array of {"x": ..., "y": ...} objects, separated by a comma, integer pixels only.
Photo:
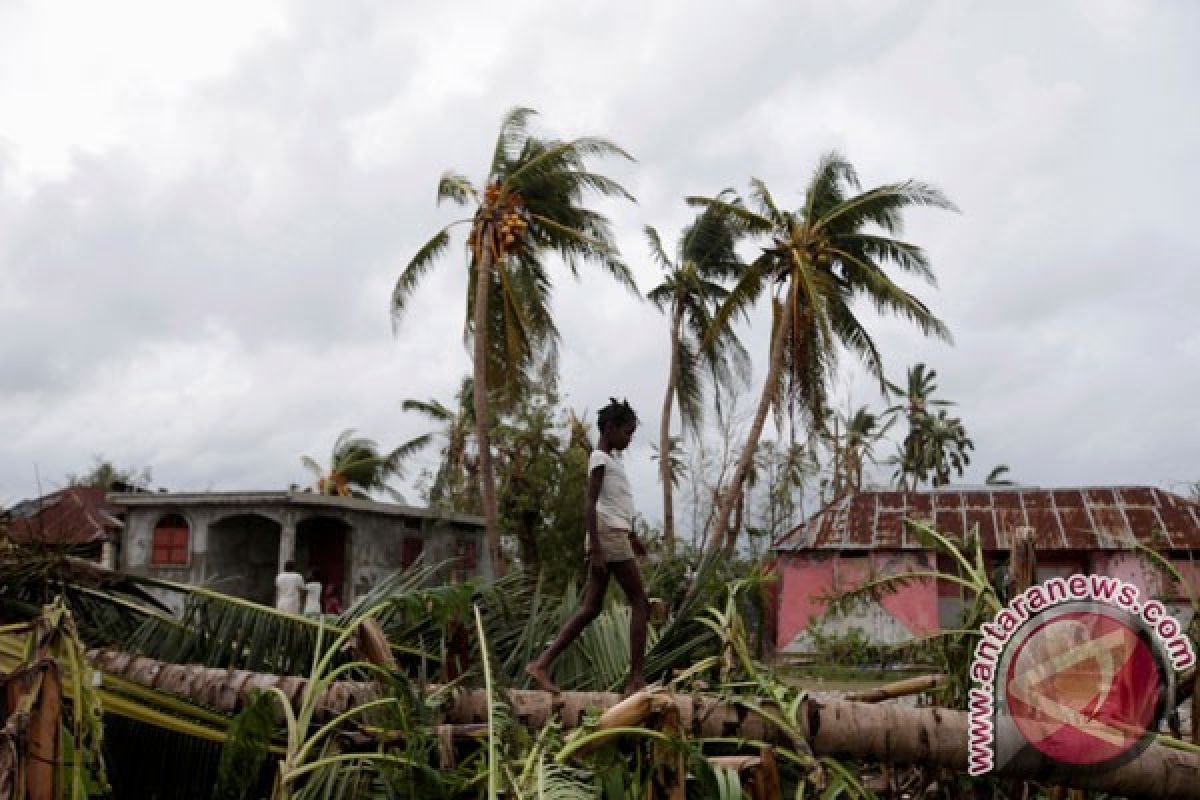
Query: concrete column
[
  {"x": 287, "y": 540},
  {"x": 108, "y": 555}
]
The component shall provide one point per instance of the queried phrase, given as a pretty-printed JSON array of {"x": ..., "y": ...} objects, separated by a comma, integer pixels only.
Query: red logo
[{"x": 1085, "y": 687}]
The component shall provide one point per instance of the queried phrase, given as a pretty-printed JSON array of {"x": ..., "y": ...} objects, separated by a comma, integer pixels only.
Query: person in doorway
[
  {"x": 312, "y": 595},
  {"x": 329, "y": 600},
  {"x": 611, "y": 548},
  {"x": 289, "y": 585}
]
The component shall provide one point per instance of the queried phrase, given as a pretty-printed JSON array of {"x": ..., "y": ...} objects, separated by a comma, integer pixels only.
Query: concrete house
[
  {"x": 236, "y": 542},
  {"x": 863, "y": 536}
]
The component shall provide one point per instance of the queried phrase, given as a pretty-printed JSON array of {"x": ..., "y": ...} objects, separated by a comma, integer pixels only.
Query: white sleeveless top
[{"x": 615, "y": 505}]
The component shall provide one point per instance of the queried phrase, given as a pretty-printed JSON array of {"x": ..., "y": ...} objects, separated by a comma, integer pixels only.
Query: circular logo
[{"x": 1086, "y": 686}]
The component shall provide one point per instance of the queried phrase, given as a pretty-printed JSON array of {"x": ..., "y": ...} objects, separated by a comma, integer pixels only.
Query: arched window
[{"x": 171, "y": 545}]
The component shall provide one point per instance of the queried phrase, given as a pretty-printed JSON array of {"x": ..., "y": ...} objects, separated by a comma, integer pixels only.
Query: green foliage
[
  {"x": 245, "y": 752},
  {"x": 358, "y": 467},
  {"x": 106, "y": 475},
  {"x": 528, "y": 207},
  {"x": 851, "y": 647}
]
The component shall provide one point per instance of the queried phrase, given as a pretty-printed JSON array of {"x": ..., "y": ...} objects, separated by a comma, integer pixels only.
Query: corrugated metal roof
[
  {"x": 1087, "y": 518},
  {"x": 75, "y": 515}
]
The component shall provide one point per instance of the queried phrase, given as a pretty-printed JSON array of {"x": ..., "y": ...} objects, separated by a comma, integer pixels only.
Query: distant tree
[
  {"x": 853, "y": 441},
  {"x": 454, "y": 485},
  {"x": 528, "y": 206},
  {"x": 105, "y": 475},
  {"x": 357, "y": 467},
  {"x": 944, "y": 449},
  {"x": 914, "y": 399}
]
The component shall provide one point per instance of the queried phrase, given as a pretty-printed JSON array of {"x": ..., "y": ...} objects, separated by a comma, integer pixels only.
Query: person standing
[
  {"x": 289, "y": 585},
  {"x": 611, "y": 548},
  {"x": 312, "y": 595}
]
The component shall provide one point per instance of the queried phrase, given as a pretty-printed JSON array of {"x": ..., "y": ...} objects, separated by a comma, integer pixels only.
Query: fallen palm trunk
[{"x": 873, "y": 732}]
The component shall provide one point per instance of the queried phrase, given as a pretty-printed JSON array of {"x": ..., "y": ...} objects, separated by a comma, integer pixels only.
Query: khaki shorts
[{"x": 613, "y": 541}]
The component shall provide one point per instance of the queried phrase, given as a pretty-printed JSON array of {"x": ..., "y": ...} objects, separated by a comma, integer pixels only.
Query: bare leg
[
  {"x": 593, "y": 602},
  {"x": 630, "y": 578}
]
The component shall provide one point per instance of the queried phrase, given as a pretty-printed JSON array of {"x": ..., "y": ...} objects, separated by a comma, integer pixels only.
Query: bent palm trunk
[{"x": 721, "y": 535}]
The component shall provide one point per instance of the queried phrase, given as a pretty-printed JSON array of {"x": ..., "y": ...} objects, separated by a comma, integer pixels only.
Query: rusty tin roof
[
  {"x": 1086, "y": 518},
  {"x": 75, "y": 515}
]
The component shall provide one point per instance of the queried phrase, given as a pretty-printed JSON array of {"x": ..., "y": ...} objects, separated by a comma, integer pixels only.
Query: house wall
[
  {"x": 1135, "y": 569},
  {"x": 914, "y": 610},
  {"x": 239, "y": 550},
  {"x": 805, "y": 579}
]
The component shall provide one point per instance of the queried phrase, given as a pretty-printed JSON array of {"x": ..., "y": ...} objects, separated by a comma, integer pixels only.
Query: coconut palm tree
[
  {"x": 915, "y": 401},
  {"x": 690, "y": 293},
  {"x": 815, "y": 262},
  {"x": 357, "y": 466},
  {"x": 853, "y": 439},
  {"x": 945, "y": 446},
  {"x": 529, "y": 206}
]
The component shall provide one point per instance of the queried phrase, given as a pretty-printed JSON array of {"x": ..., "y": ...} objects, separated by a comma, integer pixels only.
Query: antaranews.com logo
[{"x": 1077, "y": 673}]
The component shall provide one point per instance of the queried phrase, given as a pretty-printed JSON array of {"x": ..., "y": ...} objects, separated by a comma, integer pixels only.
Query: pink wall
[{"x": 804, "y": 579}]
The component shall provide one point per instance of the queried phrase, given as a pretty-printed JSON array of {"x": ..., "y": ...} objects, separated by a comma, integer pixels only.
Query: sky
[{"x": 204, "y": 208}]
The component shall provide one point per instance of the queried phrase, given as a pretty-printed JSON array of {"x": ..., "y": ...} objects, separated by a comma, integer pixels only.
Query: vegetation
[
  {"x": 690, "y": 294},
  {"x": 816, "y": 261},
  {"x": 357, "y": 466},
  {"x": 528, "y": 207}
]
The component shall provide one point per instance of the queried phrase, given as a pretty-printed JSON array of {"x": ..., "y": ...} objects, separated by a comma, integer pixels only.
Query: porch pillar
[{"x": 287, "y": 540}]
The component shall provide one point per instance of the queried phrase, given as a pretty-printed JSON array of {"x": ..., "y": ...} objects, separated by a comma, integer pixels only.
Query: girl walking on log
[{"x": 611, "y": 550}]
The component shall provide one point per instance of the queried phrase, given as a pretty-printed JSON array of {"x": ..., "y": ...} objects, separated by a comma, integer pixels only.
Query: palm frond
[
  {"x": 881, "y": 206},
  {"x": 513, "y": 132},
  {"x": 457, "y": 188},
  {"x": 416, "y": 269}
]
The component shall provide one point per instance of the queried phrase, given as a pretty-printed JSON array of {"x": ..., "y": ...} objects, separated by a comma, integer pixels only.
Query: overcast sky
[{"x": 203, "y": 209}]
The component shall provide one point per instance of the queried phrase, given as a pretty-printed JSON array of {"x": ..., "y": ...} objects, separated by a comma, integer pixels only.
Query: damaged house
[{"x": 864, "y": 536}]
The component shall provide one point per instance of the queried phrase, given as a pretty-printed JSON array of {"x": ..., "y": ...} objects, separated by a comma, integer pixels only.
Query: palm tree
[
  {"x": 358, "y": 467},
  {"x": 690, "y": 294},
  {"x": 916, "y": 400},
  {"x": 945, "y": 446},
  {"x": 455, "y": 485},
  {"x": 816, "y": 261},
  {"x": 854, "y": 438},
  {"x": 529, "y": 206}
]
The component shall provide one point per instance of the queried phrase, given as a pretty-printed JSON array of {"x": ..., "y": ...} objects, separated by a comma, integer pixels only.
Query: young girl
[{"x": 611, "y": 548}]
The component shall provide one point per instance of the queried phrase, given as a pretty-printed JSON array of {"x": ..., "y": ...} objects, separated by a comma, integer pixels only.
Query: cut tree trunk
[
  {"x": 904, "y": 688},
  {"x": 485, "y": 263},
  {"x": 871, "y": 732}
]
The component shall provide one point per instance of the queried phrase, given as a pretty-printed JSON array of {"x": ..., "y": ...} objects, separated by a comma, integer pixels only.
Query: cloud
[{"x": 201, "y": 218}]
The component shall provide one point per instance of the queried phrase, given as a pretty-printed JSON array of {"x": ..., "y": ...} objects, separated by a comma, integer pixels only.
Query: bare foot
[
  {"x": 536, "y": 671},
  {"x": 634, "y": 685}
]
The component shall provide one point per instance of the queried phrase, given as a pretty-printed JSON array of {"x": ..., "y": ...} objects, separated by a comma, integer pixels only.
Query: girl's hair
[{"x": 616, "y": 413}]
